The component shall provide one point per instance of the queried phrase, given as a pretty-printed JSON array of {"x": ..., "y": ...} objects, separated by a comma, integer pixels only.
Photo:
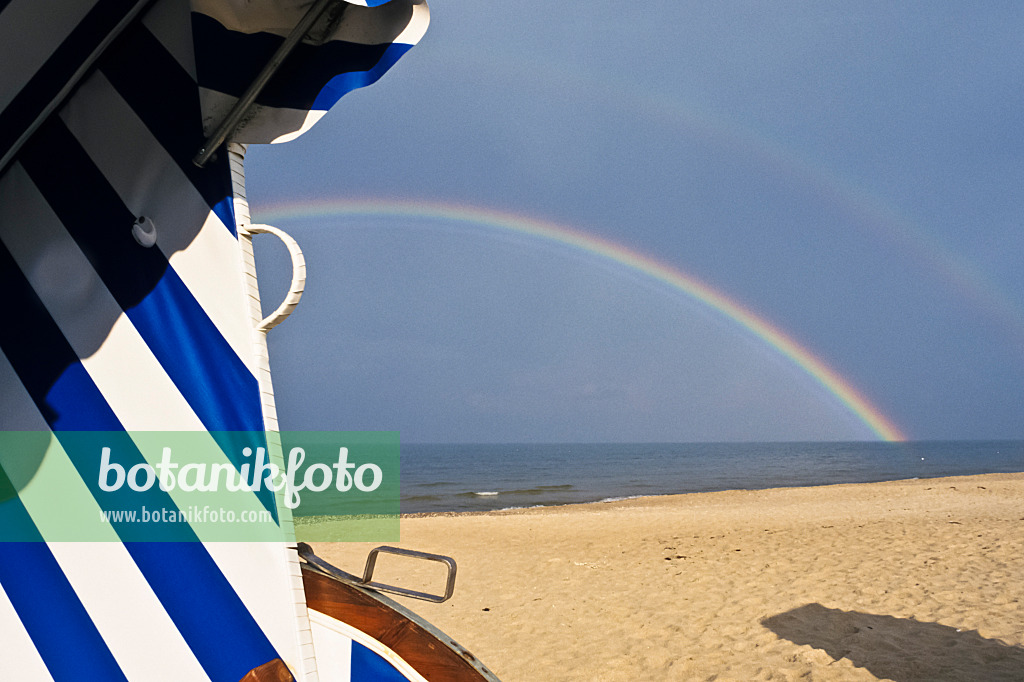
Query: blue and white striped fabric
[
  {"x": 103, "y": 104},
  {"x": 234, "y": 38}
]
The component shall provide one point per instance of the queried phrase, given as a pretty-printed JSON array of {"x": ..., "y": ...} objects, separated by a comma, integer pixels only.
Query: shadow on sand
[{"x": 900, "y": 649}]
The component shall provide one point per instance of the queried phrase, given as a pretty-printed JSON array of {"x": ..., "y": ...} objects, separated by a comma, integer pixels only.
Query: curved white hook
[{"x": 298, "y": 275}]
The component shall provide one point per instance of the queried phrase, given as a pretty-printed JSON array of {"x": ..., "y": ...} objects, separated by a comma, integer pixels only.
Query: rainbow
[
  {"x": 874, "y": 214},
  {"x": 829, "y": 379}
]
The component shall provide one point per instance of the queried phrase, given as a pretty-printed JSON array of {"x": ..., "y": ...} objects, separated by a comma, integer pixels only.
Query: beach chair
[{"x": 131, "y": 308}]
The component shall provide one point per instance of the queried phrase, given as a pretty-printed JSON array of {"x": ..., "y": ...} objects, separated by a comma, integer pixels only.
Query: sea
[{"x": 437, "y": 478}]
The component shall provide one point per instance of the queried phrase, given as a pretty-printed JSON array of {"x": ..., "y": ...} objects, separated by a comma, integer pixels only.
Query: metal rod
[
  {"x": 371, "y": 561},
  {"x": 306, "y": 552},
  {"x": 234, "y": 117},
  {"x": 84, "y": 68}
]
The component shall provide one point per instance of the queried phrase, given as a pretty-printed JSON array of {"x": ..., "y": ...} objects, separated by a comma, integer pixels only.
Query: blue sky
[{"x": 850, "y": 174}]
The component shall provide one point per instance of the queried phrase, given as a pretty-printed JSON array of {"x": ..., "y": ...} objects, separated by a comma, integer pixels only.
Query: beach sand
[{"x": 908, "y": 580}]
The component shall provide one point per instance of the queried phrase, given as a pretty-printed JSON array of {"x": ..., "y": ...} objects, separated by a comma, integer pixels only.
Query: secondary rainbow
[{"x": 834, "y": 383}]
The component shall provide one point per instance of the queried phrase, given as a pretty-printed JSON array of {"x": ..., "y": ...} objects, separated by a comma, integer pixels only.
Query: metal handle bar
[{"x": 306, "y": 552}]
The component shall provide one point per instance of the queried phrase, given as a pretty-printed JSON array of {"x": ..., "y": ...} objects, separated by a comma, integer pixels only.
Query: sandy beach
[{"x": 908, "y": 580}]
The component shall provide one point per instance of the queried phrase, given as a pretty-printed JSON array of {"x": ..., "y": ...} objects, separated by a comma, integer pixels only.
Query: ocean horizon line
[
  {"x": 437, "y": 477},
  {"x": 653, "y": 496},
  {"x": 714, "y": 442}
]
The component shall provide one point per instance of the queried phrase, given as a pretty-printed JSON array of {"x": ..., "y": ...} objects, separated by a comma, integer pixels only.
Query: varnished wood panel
[
  {"x": 420, "y": 648},
  {"x": 272, "y": 671}
]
